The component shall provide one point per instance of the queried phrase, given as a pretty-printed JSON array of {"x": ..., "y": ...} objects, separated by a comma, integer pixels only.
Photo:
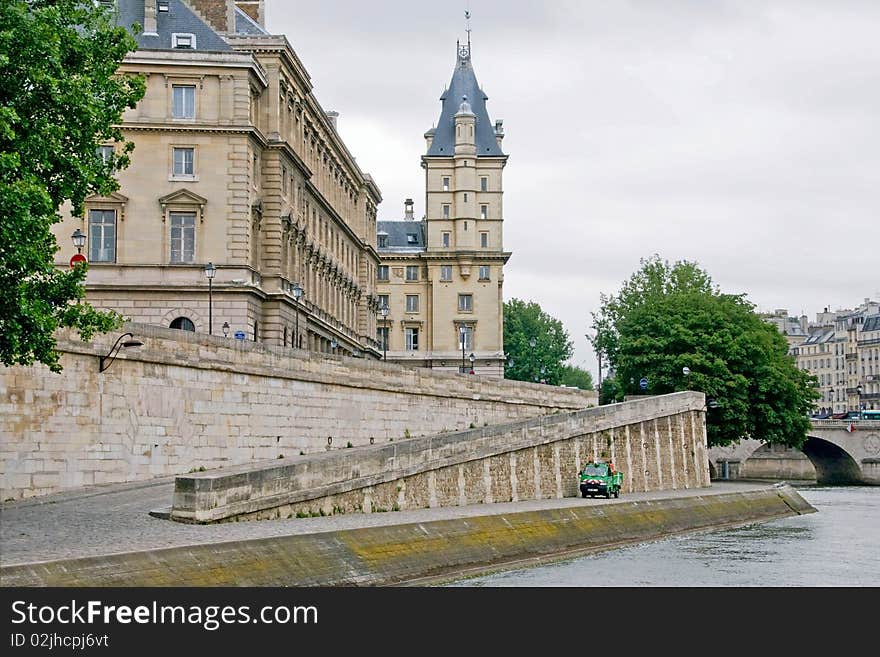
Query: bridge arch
[{"x": 833, "y": 464}]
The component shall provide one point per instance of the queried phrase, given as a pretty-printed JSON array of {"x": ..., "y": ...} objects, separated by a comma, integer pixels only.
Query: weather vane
[{"x": 467, "y": 17}]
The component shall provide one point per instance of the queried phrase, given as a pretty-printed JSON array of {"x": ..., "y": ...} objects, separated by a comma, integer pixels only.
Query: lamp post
[
  {"x": 384, "y": 312},
  {"x": 210, "y": 272},
  {"x": 225, "y": 329},
  {"x": 79, "y": 240},
  {"x": 297, "y": 295},
  {"x": 859, "y": 393},
  {"x": 472, "y": 358},
  {"x": 107, "y": 360},
  {"x": 333, "y": 345},
  {"x": 532, "y": 343},
  {"x": 462, "y": 330},
  {"x": 831, "y": 400}
]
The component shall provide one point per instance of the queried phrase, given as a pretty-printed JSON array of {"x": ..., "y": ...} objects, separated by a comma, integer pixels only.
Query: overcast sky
[{"x": 742, "y": 135}]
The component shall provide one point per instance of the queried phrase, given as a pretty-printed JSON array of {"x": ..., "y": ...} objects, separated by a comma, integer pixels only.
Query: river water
[{"x": 838, "y": 546}]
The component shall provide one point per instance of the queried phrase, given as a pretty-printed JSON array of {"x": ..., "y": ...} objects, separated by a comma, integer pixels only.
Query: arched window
[
  {"x": 284, "y": 343},
  {"x": 184, "y": 324}
]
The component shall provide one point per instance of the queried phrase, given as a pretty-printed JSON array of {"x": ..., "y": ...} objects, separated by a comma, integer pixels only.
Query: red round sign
[{"x": 79, "y": 257}]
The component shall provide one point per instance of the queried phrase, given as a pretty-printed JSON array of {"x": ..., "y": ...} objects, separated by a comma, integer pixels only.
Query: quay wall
[
  {"x": 415, "y": 553},
  {"x": 186, "y": 401}
]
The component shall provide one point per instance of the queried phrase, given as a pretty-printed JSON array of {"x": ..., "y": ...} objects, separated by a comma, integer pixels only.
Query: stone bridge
[{"x": 835, "y": 452}]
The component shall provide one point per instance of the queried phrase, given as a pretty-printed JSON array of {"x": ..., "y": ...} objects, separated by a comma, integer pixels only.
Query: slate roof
[
  {"x": 464, "y": 83},
  {"x": 872, "y": 323},
  {"x": 399, "y": 236},
  {"x": 178, "y": 19}
]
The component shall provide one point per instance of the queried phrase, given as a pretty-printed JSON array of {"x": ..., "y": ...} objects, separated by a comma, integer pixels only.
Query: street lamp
[
  {"x": 210, "y": 272},
  {"x": 462, "y": 330},
  {"x": 225, "y": 329},
  {"x": 472, "y": 358},
  {"x": 297, "y": 295},
  {"x": 79, "y": 240},
  {"x": 384, "y": 312},
  {"x": 107, "y": 360},
  {"x": 333, "y": 345},
  {"x": 859, "y": 392},
  {"x": 831, "y": 399}
]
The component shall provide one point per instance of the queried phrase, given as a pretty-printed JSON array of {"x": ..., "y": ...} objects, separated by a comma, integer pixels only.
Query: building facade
[
  {"x": 235, "y": 164},
  {"x": 441, "y": 277},
  {"x": 842, "y": 350}
]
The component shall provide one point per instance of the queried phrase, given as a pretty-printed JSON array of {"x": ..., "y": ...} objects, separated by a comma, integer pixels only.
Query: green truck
[{"x": 600, "y": 479}]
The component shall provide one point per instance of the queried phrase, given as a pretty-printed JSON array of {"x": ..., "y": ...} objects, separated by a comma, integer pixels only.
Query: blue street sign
[
  {"x": 643, "y": 383},
  {"x": 239, "y": 335}
]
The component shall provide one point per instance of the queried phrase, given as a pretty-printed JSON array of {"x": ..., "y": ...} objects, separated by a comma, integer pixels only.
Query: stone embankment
[{"x": 417, "y": 552}]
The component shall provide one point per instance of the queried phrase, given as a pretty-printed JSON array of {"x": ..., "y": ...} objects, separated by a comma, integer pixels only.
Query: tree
[
  {"x": 60, "y": 98},
  {"x": 576, "y": 377},
  {"x": 524, "y": 322},
  {"x": 670, "y": 317}
]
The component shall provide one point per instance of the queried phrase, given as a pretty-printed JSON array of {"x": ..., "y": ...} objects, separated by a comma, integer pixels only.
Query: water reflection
[{"x": 835, "y": 547}]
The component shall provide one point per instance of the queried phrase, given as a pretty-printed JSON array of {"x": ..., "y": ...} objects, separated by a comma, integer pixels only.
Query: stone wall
[
  {"x": 185, "y": 401},
  {"x": 659, "y": 443}
]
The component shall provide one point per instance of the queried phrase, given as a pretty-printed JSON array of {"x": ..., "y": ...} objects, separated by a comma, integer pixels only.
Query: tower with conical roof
[
  {"x": 442, "y": 277},
  {"x": 464, "y": 164}
]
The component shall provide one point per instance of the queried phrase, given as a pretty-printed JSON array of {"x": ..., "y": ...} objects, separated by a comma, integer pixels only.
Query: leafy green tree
[
  {"x": 60, "y": 98},
  {"x": 670, "y": 317},
  {"x": 525, "y": 322},
  {"x": 577, "y": 377}
]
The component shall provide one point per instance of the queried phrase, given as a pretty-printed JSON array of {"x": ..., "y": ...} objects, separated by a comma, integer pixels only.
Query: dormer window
[
  {"x": 412, "y": 238},
  {"x": 183, "y": 41},
  {"x": 163, "y": 5}
]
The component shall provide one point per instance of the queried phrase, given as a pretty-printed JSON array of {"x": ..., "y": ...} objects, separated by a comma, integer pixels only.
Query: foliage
[
  {"x": 576, "y": 377},
  {"x": 543, "y": 362},
  {"x": 60, "y": 98},
  {"x": 668, "y": 317}
]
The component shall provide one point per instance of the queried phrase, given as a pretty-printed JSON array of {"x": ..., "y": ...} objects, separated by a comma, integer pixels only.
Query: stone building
[
  {"x": 842, "y": 349},
  {"x": 441, "y": 277},
  {"x": 235, "y": 164}
]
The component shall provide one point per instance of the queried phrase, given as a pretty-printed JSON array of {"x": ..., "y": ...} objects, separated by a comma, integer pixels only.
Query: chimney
[
  {"x": 218, "y": 14},
  {"x": 150, "y": 18},
  {"x": 408, "y": 209},
  {"x": 334, "y": 117}
]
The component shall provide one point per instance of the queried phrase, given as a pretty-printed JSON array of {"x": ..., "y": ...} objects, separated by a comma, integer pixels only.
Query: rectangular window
[
  {"x": 412, "y": 238},
  {"x": 446, "y": 238},
  {"x": 183, "y": 101},
  {"x": 183, "y": 237},
  {"x": 484, "y": 272},
  {"x": 284, "y": 181},
  {"x": 383, "y": 273},
  {"x": 412, "y": 303},
  {"x": 383, "y": 241},
  {"x": 445, "y": 273},
  {"x": 102, "y": 235},
  {"x": 383, "y": 301},
  {"x": 105, "y": 153},
  {"x": 446, "y": 212},
  {"x": 484, "y": 184},
  {"x": 484, "y": 240},
  {"x": 382, "y": 337},
  {"x": 446, "y": 184},
  {"x": 179, "y": 40},
  {"x": 465, "y": 303},
  {"x": 484, "y": 212},
  {"x": 466, "y": 337},
  {"x": 465, "y": 197},
  {"x": 412, "y": 339},
  {"x": 412, "y": 272},
  {"x": 184, "y": 161}
]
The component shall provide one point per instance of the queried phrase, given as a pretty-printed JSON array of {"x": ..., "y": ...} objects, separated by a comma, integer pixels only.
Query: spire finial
[{"x": 467, "y": 18}]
